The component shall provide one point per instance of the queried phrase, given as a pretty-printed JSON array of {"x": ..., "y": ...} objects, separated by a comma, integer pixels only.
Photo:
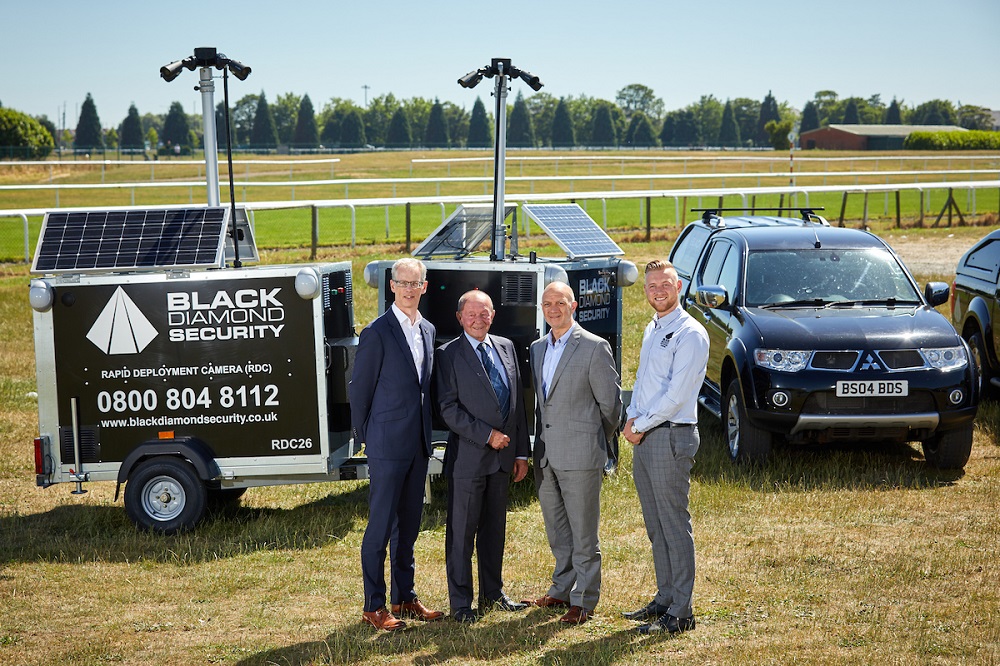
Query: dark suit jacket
[
  {"x": 469, "y": 408},
  {"x": 390, "y": 407}
]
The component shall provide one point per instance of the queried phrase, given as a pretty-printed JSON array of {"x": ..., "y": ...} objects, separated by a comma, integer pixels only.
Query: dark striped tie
[{"x": 501, "y": 390}]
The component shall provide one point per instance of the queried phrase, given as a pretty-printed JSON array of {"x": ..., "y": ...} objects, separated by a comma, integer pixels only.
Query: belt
[{"x": 668, "y": 424}]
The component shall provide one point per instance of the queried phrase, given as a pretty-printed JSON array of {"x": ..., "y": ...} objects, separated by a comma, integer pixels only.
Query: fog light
[
  {"x": 956, "y": 396},
  {"x": 779, "y": 398}
]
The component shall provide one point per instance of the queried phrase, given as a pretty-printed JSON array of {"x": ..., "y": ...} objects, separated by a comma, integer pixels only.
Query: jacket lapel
[
  {"x": 397, "y": 333},
  {"x": 471, "y": 357},
  {"x": 571, "y": 345}
]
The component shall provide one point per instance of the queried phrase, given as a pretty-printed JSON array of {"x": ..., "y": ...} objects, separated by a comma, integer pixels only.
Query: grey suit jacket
[
  {"x": 468, "y": 405},
  {"x": 582, "y": 410}
]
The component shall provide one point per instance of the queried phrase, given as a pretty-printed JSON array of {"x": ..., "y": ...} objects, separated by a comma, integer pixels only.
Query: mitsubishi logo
[
  {"x": 121, "y": 328},
  {"x": 870, "y": 363}
]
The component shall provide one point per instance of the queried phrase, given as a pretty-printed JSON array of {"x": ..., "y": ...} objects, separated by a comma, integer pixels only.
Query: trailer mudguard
[{"x": 192, "y": 449}]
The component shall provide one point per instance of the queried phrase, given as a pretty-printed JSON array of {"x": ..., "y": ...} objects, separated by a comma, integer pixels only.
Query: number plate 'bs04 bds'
[{"x": 896, "y": 388}]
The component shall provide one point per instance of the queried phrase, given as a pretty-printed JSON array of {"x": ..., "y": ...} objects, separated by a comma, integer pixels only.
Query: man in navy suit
[
  {"x": 478, "y": 389},
  {"x": 391, "y": 415}
]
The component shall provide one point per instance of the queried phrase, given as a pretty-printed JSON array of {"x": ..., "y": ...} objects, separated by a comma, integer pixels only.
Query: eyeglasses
[{"x": 408, "y": 284}]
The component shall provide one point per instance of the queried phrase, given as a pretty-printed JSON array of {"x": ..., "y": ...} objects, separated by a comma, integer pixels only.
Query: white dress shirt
[{"x": 414, "y": 338}]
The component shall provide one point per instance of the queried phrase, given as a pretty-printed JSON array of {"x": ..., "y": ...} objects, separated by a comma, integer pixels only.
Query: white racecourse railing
[
  {"x": 747, "y": 197},
  {"x": 153, "y": 164},
  {"x": 487, "y": 181}
]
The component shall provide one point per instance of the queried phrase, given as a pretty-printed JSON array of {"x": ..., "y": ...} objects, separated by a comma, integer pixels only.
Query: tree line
[{"x": 636, "y": 118}]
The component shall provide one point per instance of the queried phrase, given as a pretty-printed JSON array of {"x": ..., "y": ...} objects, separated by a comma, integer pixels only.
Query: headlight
[
  {"x": 786, "y": 360},
  {"x": 946, "y": 358}
]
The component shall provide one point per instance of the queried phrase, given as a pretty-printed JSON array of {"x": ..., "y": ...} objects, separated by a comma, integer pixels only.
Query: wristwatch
[{"x": 633, "y": 429}]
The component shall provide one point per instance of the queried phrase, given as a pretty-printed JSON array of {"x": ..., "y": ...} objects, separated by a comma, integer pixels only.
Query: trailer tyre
[{"x": 165, "y": 495}]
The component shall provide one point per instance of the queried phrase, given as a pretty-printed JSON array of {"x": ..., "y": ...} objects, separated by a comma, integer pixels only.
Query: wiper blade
[
  {"x": 803, "y": 303},
  {"x": 889, "y": 302}
]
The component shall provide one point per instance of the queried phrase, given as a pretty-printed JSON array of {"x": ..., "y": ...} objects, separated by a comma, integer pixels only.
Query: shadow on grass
[
  {"x": 518, "y": 637},
  {"x": 860, "y": 465},
  {"x": 82, "y": 533}
]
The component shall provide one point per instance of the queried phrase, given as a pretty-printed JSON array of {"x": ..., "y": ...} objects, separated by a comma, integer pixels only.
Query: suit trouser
[
  {"x": 477, "y": 518},
  {"x": 662, "y": 470},
  {"x": 395, "y": 509},
  {"x": 571, "y": 508}
]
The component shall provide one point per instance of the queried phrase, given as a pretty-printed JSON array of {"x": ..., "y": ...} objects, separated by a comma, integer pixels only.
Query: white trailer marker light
[
  {"x": 307, "y": 283},
  {"x": 41, "y": 296}
]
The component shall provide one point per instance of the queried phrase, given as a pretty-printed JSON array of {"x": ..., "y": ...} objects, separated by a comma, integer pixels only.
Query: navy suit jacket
[
  {"x": 390, "y": 406},
  {"x": 469, "y": 407}
]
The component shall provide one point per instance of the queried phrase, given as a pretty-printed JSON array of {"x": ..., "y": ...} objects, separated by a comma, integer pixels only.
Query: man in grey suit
[
  {"x": 578, "y": 397},
  {"x": 479, "y": 397}
]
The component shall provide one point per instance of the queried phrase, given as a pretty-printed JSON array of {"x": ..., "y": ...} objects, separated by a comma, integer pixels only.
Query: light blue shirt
[
  {"x": 553, "y": 352},
  {"x": 672, "y": 364},
  {"x": 494, "y": 355}
]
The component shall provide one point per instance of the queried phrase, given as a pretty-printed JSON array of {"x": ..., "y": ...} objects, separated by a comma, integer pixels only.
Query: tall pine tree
[
  {"x": 88, "y": 129},
  {"x": 563, "y": 135},
  {"x": 399, "y": 134},
  {"x": 480, "y": 133},
  {"x": 131, "y": 130},
  {"x": 352, "y": 130},
  {"x": 436, "y": 134},
  {"x": 306, "y": 133},
  {"x": 810, "y": 118},
  {"x": 176, "y": 129},
  {"x": 729, "y": 132},
  {"x": 893, "y": 116},
  {"x": 768, "y": 112},
  {"x": 851, "y": 116},
  {"x": 264, "y": 136},
  {"x": 602, "y": 133},
  {"x": 520, "y": 133}
]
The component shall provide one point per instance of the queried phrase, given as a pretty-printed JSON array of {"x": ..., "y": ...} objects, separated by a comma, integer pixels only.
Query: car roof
[{"x": 806, "y": 237}]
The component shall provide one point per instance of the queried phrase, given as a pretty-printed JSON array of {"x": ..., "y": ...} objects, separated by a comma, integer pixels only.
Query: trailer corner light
[
  {"x": 628, "y": 273},
  {"x": 307, "y": 283},
  {"x": 554, "y": 273},
  {"x": 371, "y": 274},
  {"x": 41, "y": 296}
]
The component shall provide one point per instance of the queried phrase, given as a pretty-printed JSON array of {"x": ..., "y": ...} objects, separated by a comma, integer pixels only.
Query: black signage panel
[{"x": 229, "y": 361}]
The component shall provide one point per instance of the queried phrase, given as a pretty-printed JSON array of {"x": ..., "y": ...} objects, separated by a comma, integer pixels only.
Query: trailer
[{"x": 163, "y": 367}]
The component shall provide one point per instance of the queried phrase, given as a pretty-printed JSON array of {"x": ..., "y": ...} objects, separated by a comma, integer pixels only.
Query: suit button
[{"x": 547, "y": 425}]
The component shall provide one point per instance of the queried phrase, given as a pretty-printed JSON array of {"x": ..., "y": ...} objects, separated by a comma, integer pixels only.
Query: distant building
[
  {"x": 866, "y": 137},
  {"x": 995, "y": 122}
]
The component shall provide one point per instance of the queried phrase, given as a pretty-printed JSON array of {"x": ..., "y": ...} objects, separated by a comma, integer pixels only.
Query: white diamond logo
[{"x": 121, "y": 328}]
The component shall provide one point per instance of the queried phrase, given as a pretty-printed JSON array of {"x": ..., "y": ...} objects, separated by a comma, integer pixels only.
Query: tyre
[
  {"x": 747, "y": 443},
  {"x": 981, "y": 360},
  {"x": 949, "y": 449},
  {"x": 165, "y": 495}
]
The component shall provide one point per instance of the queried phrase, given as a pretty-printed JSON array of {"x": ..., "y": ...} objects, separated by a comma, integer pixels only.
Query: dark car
[
  {"x": 818, "y": 335},
  {"x": 974, "y": 307}
]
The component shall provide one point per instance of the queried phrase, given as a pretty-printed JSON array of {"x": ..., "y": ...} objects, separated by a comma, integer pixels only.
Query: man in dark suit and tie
[
  {"x": 478, "y": 389},
  {"x": 391, "y": 415},
  {"x": 578, "y": 395}
]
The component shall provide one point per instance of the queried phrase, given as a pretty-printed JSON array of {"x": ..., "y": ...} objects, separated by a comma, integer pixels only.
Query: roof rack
[{"x": 712, "y": 217}]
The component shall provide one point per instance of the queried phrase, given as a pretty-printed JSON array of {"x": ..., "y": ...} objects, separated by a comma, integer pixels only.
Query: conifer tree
[
  {"x": 768, "y": 112},
  {"x": 176, "y": 129},
  {"x": 264, "y": 135},
  {"x": 851, "y": 116},
  {"x": 893, "y": 116},
  {"x": 131, "y": 130},
  {"x": 603, "y": 133},
  {"x": 480, "y": 132},
  {"x": 563, "y": 135},
  {"x": 306, "y": 133},
  {"x": 399, "y": 134},
  {"x": 352, "y": 130},
  {"x": 729, "y": 132},
  {"x": 520, "y": 133},
  {"x": 436, "y": 134},
  {"x": 667, "y": 129},
  {"x": 810, "y": 118},
  {"x": 88, "y": 129}
]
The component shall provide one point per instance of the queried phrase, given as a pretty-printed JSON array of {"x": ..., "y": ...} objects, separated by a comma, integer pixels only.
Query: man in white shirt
[{"x": 663, "y": 427}]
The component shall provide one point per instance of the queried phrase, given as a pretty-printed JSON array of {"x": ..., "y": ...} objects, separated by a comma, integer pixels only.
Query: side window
[
  {"x": 984, "y": 262},
  {"x": 730, "y": 275},
  {"x": 712, "y": 267},
  {"x": 685, "y": 253}
]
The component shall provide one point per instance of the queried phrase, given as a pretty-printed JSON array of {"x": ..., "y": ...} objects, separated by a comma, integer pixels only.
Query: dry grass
[{"x": 827, "y": 556}]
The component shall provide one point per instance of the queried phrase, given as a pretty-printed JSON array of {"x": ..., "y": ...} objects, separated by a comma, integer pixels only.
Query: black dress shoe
[
  {"x": 504, "y": 603},
  {"x": 465, "y": 616},
  {"x": 650, "y": 611},
  {"x": 668, "y": 623}
]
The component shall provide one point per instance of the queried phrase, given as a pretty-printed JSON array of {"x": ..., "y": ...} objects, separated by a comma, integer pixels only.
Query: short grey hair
[
  {"x": 409, "y": 262},
  {"x": 469, "y": 295}
]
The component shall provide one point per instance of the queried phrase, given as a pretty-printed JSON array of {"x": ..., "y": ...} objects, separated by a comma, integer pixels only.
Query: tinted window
[
  {"x": 688, "y": 247},
  {"x": 984, "y": 261},
  {"x": 713, "y": 263},
  {"x": 775, "y": 276},
  {"x": 730, "y": 275}
]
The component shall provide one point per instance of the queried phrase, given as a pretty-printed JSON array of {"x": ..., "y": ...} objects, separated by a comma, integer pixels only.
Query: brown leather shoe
[
  {"x": 416, "y": 611},
  {"x": 383, "y": 619},
  {"x": 576, "y": 615},
  {"x": 545, "y": 601}
]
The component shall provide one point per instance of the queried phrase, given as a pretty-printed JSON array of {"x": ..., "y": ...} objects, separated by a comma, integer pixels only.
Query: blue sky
[{"x": 54, "y": 52}]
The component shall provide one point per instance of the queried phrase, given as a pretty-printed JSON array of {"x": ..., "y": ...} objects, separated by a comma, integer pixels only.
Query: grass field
[{"x": 826, "y": 556}]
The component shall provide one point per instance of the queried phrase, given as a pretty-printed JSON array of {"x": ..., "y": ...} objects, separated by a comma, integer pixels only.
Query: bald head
[{"x": 558, "y": 306}]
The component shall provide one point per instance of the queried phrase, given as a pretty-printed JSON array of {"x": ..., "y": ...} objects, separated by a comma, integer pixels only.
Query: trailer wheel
[{"x": 165, "y": 495}]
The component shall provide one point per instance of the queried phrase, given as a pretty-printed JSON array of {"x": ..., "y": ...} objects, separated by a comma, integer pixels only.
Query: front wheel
[
  {"x": 949, "y": 449},
  {"x": 165, "y": 495},
  {"x": 981, "y": 360},
  {"x": 747, "y": 443}
]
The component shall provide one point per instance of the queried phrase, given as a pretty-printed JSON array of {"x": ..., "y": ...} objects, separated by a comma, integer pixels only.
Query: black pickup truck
[
  {"x": 820, "y": 335},
  {"x": 974, "y": 308}
]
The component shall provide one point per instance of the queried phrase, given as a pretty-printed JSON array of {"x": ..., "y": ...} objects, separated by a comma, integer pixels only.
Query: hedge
[{"x": 971, "y": 140}]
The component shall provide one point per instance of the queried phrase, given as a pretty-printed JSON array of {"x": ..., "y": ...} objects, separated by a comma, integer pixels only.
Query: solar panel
[
  {"x": 127, "y": 240},
  {"x": 573, "y": 230},
  {"x": 462, "y": 232}
]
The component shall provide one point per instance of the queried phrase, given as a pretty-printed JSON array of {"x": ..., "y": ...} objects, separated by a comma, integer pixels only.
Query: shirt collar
[
  {"x": 402, "y": 318},
  {"x": 475, "y": 343},
  {"x": 563, "y": 339},
  {"x": 670, "y": 317}
]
